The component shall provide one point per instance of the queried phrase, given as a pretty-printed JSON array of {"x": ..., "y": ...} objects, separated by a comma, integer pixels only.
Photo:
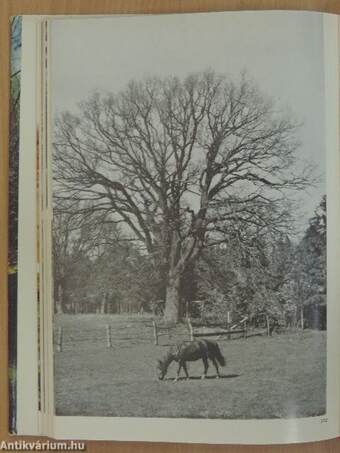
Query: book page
[
  {"x": 191, "y": 160},
  {"x": 27, "y": 331}
]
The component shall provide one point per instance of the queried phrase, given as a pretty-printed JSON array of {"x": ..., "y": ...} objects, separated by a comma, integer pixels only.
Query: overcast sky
[{"x": 282, "y": 51}]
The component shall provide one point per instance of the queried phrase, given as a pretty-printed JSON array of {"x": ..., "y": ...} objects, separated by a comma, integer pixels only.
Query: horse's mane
[{"x": 169, "y": 357}]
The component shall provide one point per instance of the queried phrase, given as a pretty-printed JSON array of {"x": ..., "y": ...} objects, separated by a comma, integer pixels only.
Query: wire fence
[
  {"x": 67, "y": 337},
  {"x": 127, "y": 332}
]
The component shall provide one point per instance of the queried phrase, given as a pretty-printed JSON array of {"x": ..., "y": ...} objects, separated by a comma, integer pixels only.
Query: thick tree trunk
[
  {"x": 180, "y": 257},
  {"x": 172, "y": 300}
]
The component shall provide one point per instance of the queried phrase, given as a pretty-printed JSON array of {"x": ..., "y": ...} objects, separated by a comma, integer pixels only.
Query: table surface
[{"x": 14, "y": 7}]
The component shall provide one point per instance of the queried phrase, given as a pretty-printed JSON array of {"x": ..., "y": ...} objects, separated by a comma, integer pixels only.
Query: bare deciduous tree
[{"x": 179, "y": 165}]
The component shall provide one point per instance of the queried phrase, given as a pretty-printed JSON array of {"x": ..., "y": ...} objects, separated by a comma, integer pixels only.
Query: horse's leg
[
  {"x": 185, "y": 370},
  {"x": 180, "y": 364},
  {"x": 206, "y": 366},
  {"x": 216, "y": 366}
]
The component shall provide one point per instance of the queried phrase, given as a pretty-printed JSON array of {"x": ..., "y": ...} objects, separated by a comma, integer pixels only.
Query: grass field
[{"x": 282, "y": 376}]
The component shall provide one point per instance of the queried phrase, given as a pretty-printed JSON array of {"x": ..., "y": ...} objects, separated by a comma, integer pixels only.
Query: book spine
[{"x": 15, "y": 72}]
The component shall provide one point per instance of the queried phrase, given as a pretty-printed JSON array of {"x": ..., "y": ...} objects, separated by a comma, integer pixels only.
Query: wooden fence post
[
  {"x": 228, "y": 324},
  {"x": 191, "y": 332},
  {"x": 155, "y": 334},
  {"x": 108, "y": 336},
  {"x": 268, "y": 325},
  {"x": 60, "y": 339}
]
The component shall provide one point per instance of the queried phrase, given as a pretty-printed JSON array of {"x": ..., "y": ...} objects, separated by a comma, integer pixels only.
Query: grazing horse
[{"x": 189, "y": 352}]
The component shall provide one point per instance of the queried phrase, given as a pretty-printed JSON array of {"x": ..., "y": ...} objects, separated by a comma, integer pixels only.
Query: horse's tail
[
  {"x": 219, "y": 356},
  {"x": 215, "y": 351}
]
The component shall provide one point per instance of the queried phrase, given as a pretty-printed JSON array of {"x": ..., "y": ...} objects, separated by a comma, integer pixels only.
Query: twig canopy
[{"x": 179, "y": 164}]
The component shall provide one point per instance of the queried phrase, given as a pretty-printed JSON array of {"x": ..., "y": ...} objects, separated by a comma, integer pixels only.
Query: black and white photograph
[{"x": 189, "y": 216}]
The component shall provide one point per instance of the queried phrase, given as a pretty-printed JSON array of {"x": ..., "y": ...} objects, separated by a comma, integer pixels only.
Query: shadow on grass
[{"x": 198, "y": 378}]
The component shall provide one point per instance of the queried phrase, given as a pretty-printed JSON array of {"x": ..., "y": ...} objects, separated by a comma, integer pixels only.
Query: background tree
[
  {"x": 178, "y": 164},
  {"x": 73, "y": 247},
  {"x": 93, "y": 268},
  {"x": 309, "y": 272}
]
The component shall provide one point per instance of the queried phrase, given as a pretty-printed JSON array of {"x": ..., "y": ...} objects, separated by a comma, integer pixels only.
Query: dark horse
[{"x": 189, "y": 352}]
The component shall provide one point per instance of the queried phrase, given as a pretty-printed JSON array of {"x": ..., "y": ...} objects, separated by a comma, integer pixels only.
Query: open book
[{"x": 173, "y": 272}]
